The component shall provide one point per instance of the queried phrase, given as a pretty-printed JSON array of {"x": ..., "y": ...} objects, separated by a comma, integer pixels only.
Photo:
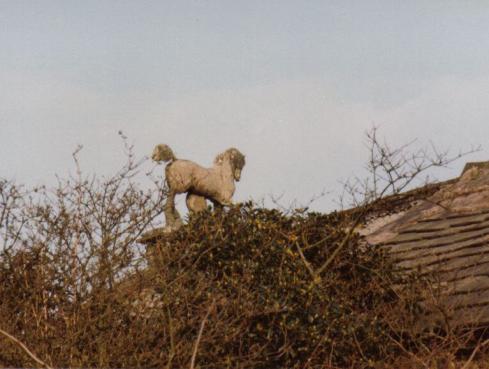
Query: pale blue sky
[{"x": 293, "y": 84}]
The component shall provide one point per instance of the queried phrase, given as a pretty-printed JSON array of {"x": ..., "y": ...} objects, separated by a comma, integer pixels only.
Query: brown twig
[
  {"x": 476, "y": 349},
  {"x": 304, "y": 260},
  {"x": 24, "y": 347},
  {"x": 343, "y": 243},
  {"x": 199, "y": 336}
]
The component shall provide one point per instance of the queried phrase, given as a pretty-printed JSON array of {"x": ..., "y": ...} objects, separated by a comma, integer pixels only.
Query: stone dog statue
[{"x": 183, "y": 176}]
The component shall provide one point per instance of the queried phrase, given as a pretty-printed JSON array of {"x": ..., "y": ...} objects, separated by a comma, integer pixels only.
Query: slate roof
[{"x": 446, "y": 236}]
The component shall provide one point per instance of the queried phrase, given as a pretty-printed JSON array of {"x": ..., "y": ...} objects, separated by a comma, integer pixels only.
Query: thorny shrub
[
  {"x": 242, "y": 280},
  {"x": 61, "y": 252},
  {"x": 243, "y": 288},
  {"x": 252, "y": 268}
]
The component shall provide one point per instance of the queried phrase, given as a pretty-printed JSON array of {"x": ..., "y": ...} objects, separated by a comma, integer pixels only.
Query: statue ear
[{"x": 218, "y": 159}]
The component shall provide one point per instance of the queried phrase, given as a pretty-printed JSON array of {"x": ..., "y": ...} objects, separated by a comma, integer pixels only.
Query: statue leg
[
  {"x": 172, "y": 217},
  {"x": 178, "y": 219},
  {"x": 195, "y": 203},
  {"x": 217, "y": 205}
]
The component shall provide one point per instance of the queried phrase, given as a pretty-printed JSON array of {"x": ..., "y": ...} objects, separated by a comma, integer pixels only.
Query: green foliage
[
  {"x": 244, "y": 276},
  {"x": 277, "y": 313}
]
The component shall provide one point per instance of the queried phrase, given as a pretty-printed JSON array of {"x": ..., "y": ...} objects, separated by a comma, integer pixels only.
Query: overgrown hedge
[{"x": 231, "y": 289}]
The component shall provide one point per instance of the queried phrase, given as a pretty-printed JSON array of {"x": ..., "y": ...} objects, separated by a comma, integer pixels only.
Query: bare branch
[
  {"x": 199, "y": 336},
  {"x": 24, "y": 347}
]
